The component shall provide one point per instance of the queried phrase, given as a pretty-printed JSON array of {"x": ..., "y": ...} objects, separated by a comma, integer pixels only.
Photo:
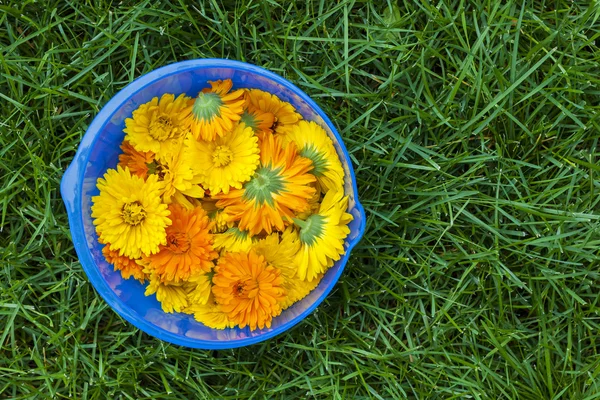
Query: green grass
[{"x": 473, "y": 127}]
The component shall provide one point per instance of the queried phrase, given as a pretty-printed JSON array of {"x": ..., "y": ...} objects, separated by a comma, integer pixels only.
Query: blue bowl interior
[{"x": 99, "y": 151}]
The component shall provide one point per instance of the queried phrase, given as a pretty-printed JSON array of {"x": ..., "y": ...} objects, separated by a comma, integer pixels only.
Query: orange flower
[
  {"x": 280, "y": 186},
  {"x": 284, "y": 114},
  {"x": 137, "y": 161},
  {"x": 189, "y": 246},
  {"x": 214, "y": 111},
  {"x": 249, "y": 290},
  {"x": 258, "y": 120},
  {"x": 128, "y": 266}
]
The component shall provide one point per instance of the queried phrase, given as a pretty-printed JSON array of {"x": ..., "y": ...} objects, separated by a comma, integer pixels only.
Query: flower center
[
  {"x": 162, "y": 128},
  {"x": 207, "y": 106},
  {"x": 133, "y": 213},
  {"x": 318, "y": 159},
  {"x": 222, "y": 156},
  {"x": 275, "y": 124},
  {"x": 178, "y": 242},
  {"x": 265, "y": 183},
  {"x": 311, "y": 229},
  {"x": 245, "y": 288}
]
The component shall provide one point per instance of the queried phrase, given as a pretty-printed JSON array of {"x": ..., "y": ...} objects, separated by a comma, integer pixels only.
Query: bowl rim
[{"x": 74, "y": 175}]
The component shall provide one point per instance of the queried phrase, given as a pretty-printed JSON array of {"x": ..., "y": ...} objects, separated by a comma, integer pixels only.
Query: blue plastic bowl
[{"x": 99, "y": 150}]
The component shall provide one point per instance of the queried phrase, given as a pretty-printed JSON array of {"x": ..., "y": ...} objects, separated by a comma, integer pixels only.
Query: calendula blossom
[
  {"x": 188, "y": 250},
  {"x": 279, "y": 188},
  {"x": 284, "y": 114},
  {"x": 248, "y": 289},
  {"x": 227, "y": 162},
  {"x": 215, "y": 110},
  {"x": 158, "y": 126},
  {"x": 313, "y": 143},
  {"x": 128, "y": 213},
  {"x": 322, "y": 236}
]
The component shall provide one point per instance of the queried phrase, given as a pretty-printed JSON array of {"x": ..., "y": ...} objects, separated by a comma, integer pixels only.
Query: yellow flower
[
  {"x": 158, "y": 126},
  {"x": 281, "y": 253},
  {"x": 233, "y": 240},
  {"x": 137, "y": 161},
  {"x": 284, "y": 114},
  {"x": 188, "y": 250},
  {"x": 128, "y": 213},
  {"x": 313, "y": 143},
  {"x": 127, "y": 266},
  {"x": 210, "y": 314},
  {"x": 280, "y": 186},
  {"x": 258, "y": 120},
  {"x": 322, "y": 236},
  {"x": 227, "y": 161},
  {"x": 172, "y": 297},
  {"x": 199, "y": 289},
  {"x": 180, "y": 176},
  {"x": 215, "y": 110},
  {"x": 248, "y": 289}
]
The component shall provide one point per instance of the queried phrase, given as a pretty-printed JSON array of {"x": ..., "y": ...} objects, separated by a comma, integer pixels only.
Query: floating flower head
[
  {"x": 215, "y": 110},
  {"x": 313, "y": 143},
  {"x": 281, "y": 253},
  {"x": 233, "y": 240},
  {"x": 322, "y": 236},
  {"x": 258, "y": 120},
  {"x": 248, "y": 289},
  {"x": 228, "y": 161},
  {"x": 284, "y": 114},
  {"x": 188, "y": 250},
  {"x": 127, "y": 266},
  {"x": 210, "y": 314},
  {"x": 280, "y": 186},
  {"x": 158, "y": 126},
  {"x": 136, "y": 161},
  {"x": 173, "y": 297},
  {"x": 128, "y": 213}
]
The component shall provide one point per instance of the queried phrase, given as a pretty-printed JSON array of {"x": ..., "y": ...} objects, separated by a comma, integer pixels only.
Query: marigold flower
[
  {"x": 214, "y": 111},
  {"x": 284, "y": 114},
  {"x": 280, "y": 186},
  {"x": 158, "y": 126},
  {"x": 313, "y": 143},
  {"x": 322, "y": 236},
  {"x": 128, "y": 213},
  {"x": 248, "y": 290},
  {"x": 228, "y": 161},
  {"x": 188, "y": 250}
]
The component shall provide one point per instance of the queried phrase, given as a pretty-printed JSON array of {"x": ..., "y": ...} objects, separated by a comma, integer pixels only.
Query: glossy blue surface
[{"x": 99, "y": 150}]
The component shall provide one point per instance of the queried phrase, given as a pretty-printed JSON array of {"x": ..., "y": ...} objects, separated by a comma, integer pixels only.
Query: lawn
[{"x": 473, "y": 128}]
